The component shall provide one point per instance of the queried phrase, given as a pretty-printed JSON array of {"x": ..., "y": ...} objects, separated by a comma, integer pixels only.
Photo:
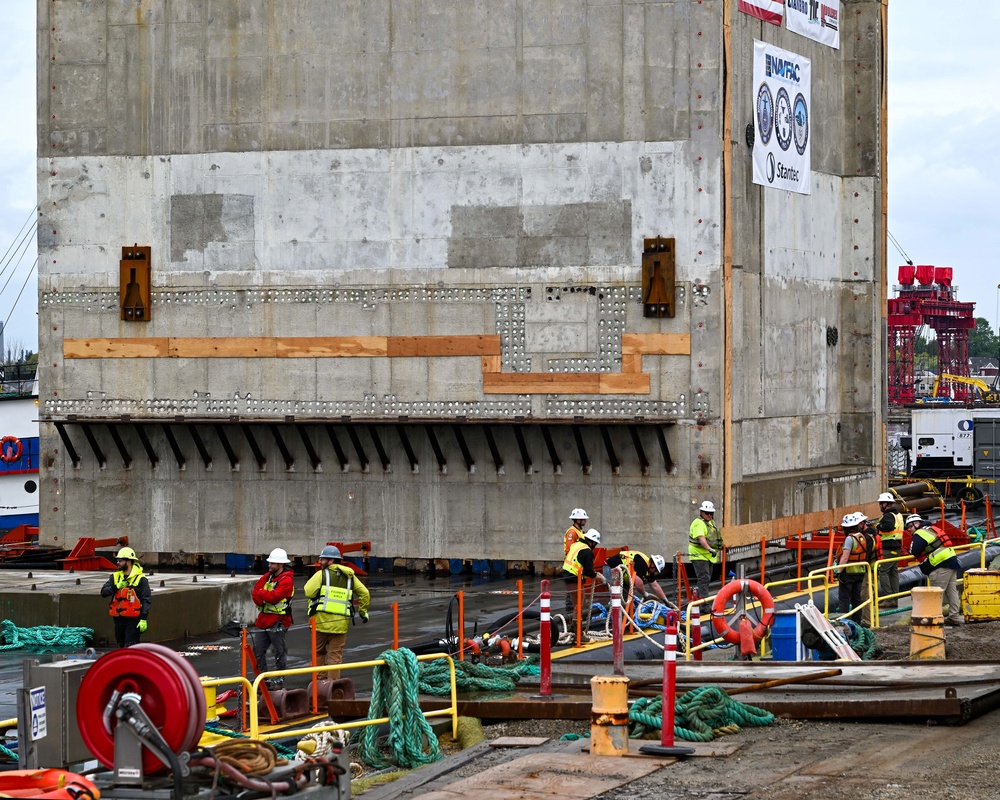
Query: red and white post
[
  {"x": 545, "y": 642},
  {"x": 618, "y": 648},
  {"x": 666, "y": 746}
]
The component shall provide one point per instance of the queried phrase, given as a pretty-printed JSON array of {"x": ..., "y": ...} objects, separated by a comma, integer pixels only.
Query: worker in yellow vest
[
  {"x": 891, "y": 527},
  {"x": 130, "y": 596},
  {"x": 332, "y": 592},
  {"x": 574, "y": 533},
  {"x": 704, "y": 546},
  {"x": 272, "y": 594},
  {"x": 939, "y": 562},
  {"x": 580, "y": 561}
]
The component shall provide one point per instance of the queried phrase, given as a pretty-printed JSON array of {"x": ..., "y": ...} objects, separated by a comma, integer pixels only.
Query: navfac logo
[
  {"x": 965, "y": 424},
  {"x": 780, "y": 68}
]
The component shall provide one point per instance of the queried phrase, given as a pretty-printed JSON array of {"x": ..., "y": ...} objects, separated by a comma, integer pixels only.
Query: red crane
[{"x": 925, "y": 296}]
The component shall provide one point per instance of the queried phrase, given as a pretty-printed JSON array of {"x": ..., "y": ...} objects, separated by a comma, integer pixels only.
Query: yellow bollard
[
  {"x": 927, "y": 623},
  {"x": 212, "y": 713},
  {"x": 609, "y": 715}
]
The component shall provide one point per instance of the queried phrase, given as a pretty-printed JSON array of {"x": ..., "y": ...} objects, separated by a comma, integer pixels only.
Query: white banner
[
  {"x": 817, "y": 19},
  {"x": 782, "y": 111}
]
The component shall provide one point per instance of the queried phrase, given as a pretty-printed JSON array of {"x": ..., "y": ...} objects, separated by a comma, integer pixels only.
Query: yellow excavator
[{"x": 987, "y": 393}]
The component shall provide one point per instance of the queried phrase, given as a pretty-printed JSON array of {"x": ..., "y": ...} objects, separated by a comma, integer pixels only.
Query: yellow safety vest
[
  {"x": 572, "y": 563},
  {"x": 935, "y": 549},
  {"x": 706, "y": 528},
  {"x": 281, "y": 607},
  {"x": 337, "y": 591},
  {"x": 896, "y": 535}
]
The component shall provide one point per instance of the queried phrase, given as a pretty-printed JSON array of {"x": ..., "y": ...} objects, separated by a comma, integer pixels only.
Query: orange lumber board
[
  {"x": 116, "y": 348},
  {"x": 631, "y": 362},
  {"x": 542, "y": 383},
  {"x": 224, "y": 347},
  {"x": 624, "y": 383},
  {"x": 473, "y": 345},
  {"x": 752, "y": 533},
  {"x": 331, "y": 346},
  {"x": 657, "y": 344},
  {"x": 492, "y": 364},
  {"x": 550, "y": 776}
]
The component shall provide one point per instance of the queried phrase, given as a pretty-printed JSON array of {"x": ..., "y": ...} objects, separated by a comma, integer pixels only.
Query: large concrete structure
[{"x": 396, "y": 287}]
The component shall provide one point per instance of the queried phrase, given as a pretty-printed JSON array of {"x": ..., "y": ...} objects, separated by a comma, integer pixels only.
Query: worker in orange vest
[
  {"x": 574, "y": 533},
  {"x": 130, "y": 598}
]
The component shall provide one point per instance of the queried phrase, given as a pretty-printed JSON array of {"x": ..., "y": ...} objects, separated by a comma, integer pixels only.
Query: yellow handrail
[{"x": 255, "y": 733}]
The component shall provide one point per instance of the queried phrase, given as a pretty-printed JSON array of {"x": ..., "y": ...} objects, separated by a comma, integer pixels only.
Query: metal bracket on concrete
[
  {"x": 199, "y": 443},
  {"x": 470, "y": 462},
  {"x": 616, "y": 465},
  {"x": 550, "y": 446},
  {"x": 383, "y": 457},
  {"x": 122, "y": 450},
  {"x": 411, "y": 456},
  {"x": 442, "y": 461},
  {"x": 258, "y": 455},
  {"x": 494, "y": 450},
  {"x": 154, "y": 459},
  {"x": 178, "y": 455},
  {"x": 341, "y": 455},
  {"x": 286, "y": 454},
  {"x": 522, "y": 446},
  {"x": 356, "y": 441},
  {"x": 234, "y": 460},
  {"x": 68, "y": 444},
  {"x": 314, "y": 459},
  {"x": 101, "y": 460},
  {"x": 668, "y": 461},
  {"x": 640, "y": 451},
  {"x": 581, "y": 449}
]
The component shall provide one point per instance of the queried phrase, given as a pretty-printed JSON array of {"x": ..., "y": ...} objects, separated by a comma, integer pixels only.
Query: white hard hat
[
  {"x": 593, "y": 535},
  {"x": 853, "y": 519},
  {"x": 708, "y": 507},
  {"x": 278, "y": 556},
  {"x": 914, "y": 519},
  {"x": 578, "y": 513},
  {"x": 885, "y": 497},
  {"x": 659, "y": 563}
]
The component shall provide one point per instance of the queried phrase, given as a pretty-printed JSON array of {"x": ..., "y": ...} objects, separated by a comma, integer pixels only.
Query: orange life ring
[
  {"x": 722, "y": 599},
  {"x": 10, "y": 449}
]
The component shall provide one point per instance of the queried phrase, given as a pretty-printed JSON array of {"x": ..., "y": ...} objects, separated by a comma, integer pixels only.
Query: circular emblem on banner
[
  {"x": 765, "y": 113},
  {"x": 783, "y": 119},
  {"x": 800, "y": 123},
  {"x": 770, "y": 167}
]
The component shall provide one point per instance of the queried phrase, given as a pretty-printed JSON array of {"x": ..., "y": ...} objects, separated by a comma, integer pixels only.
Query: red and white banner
[{"x": 768, "y": 10}]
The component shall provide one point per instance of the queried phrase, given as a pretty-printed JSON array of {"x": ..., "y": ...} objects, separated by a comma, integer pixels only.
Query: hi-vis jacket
[
  {"x": 331, "y": 592},
  {"x": 272, "y": 594},
  {"x": 865, "y": 548},
  {"x": 579, "y": 560},
  {"x": 133, "y": 600},
  {"x": 708, "y": 529},
  {"x": 937, "y": 545},
  {"x": 892, "y": 540}
]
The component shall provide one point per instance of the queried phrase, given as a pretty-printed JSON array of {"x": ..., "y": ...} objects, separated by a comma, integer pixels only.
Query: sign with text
[
  {"x": 782, "y": 107},
  {"x": 817, "y": 19},
  {"x": 36, "y": 698}
]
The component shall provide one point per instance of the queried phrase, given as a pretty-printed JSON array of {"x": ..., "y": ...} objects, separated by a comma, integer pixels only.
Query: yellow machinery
[{"x": 987, "y": 393}]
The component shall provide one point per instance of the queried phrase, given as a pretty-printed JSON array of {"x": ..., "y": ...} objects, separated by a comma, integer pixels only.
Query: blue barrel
[
  {"x": 783, "y": 646},
  {"x": 455, "y": 565}
]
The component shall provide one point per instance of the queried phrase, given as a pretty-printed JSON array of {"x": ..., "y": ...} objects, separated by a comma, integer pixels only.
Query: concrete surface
[{"x": 436, "y": 169}]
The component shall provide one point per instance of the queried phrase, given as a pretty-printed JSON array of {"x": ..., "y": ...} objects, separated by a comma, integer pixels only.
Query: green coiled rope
[
  {"x": 435, "y": 677},
  {"x": 282, "y": 750},
  {"x": 699, "y": 715},
  {"x": 394, "y": 696},
  {"x": 42, "y": 636}
]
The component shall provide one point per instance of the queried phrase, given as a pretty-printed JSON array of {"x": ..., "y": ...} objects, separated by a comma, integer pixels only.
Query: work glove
[
  {"x": 121, "y": 584},
  {"x": 141, "y": 626},
  {"x": 364, "y": 619}
]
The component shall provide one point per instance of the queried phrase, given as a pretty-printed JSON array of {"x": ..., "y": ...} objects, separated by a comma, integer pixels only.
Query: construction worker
[
  {"x": 578, "y": 518},
  {"x": 580, "y": 561},
  {"x": 646, "y": 570},
  {"x": 862, "y": 547},
  {"x": 890, "y": 526},
  {"x": 272, "y": 594},
  {"x": 130, "y": 598},
  {"x": 704, "y": 546},
  {"x": 332, "y": 592},
  {"x": 939, "y": 562}
]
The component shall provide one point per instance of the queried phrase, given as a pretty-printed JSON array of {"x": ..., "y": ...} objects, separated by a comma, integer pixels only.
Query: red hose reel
[{"x": 172, "y": 698}]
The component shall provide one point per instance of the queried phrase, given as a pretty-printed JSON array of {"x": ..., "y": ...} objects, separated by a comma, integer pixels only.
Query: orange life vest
[{"x": 126, "y": 602}]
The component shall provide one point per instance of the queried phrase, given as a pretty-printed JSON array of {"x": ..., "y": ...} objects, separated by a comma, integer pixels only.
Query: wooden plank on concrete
[
  {"x": 631, "y": 362},
  {"x": 331, "y": 346},
  {"x": 542, "y": 383},
  {"x": 470, "y": 345},
  {"x": 752, "y": 533},
  {"x": 116, "y": 348},
  {"x": 223, "y": 347},
  {"x": 545, "y": 776},
  {"x": 492, "y": 364},
  {"x": 624, "y": 383},
  {"x": 657, "y": 344}
]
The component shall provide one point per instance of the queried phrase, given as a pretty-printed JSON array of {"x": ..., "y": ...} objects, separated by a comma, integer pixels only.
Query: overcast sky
[{"x": 944, "y": 167}]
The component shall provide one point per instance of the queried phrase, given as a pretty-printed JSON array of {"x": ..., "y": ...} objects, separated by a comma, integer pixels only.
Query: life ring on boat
[
  {"x": 730, "y": 590},
  {"x": 10, "y": 449},
  {"x": 50, "y": 784}
]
